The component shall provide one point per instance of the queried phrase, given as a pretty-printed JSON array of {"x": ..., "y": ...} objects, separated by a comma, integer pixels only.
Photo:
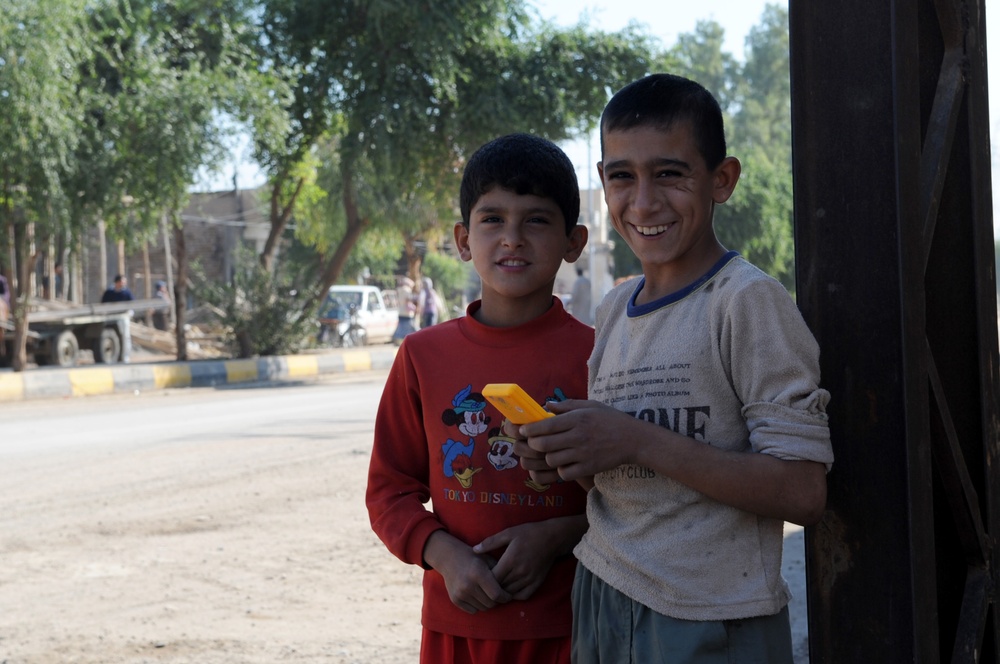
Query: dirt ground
[
  {"x": 241, "y": 551},
  {"x": 259, "y": 552}
]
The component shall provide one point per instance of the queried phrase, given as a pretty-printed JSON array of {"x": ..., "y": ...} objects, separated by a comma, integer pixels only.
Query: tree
[
  {"x": 163, "y": 73},
  {"x": 41, "y": 42},
  {"x": 763, "y": 88},
  {"x": 109, "y": 109},
  {"x": 699, "y": 56},
  {"x": 406, "y": 91}
]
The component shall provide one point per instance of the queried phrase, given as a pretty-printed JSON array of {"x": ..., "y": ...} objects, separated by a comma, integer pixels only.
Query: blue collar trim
[{"x": 635, "y": 310}]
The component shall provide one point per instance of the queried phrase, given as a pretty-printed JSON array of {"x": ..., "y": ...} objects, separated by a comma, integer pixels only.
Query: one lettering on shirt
[{"x": 653, "y": 383}]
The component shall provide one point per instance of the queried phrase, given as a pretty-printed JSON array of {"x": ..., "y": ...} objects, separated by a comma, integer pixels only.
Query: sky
[{"x": 666, "y": 19}]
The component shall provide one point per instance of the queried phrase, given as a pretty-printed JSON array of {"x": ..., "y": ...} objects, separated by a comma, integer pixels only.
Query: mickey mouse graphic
[
  {"x": 501, "y": 454},
  {"x": 468, "y": 411}
]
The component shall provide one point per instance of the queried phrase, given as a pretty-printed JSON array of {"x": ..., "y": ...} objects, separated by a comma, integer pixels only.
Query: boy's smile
[
  {"x": 661, "y": 198},
  {"x": 516, "y": 244}
]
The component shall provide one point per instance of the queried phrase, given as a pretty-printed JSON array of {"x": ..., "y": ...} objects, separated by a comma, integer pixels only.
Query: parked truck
[{"x": 56, "y": 336}]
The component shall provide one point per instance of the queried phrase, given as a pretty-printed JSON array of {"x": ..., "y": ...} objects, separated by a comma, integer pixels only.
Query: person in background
[
  {"x": 160, "y": 316},
  {"x": 430, "y": 305},
  {"x": 579, "y": 301},
  {"x": 118, "y": 292},
  {"x": 5, "y": 290},
  {"x": 59, "y": 279},
  {"x": 46, "y": 283},
  {"x": 406, "y": 300}
]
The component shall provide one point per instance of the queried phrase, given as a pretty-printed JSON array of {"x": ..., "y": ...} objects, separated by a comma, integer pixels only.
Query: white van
[{"x": 376, "y": 314}]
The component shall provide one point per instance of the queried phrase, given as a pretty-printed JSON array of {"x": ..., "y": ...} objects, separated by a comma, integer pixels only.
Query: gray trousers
[{"x": 610, "y": 628}]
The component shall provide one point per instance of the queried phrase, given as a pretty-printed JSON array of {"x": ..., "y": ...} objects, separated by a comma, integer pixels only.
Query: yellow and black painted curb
[{"x": 50, "y": 382}]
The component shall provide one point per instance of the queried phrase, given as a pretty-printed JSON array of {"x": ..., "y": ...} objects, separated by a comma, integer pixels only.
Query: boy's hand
[
  {"x": 471, "y": 584},
  {"x": 586, "y": 438},
  {"x": 531, "y": 460},
  {"x": 532, "y": 548},
  {"x": 534, "y": 462}
]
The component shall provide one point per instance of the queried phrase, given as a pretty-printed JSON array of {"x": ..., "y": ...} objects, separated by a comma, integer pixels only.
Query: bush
[{"x": 262, "y": 312}]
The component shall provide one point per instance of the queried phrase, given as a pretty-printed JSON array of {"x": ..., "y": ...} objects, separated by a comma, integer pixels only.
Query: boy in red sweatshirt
[{"x": 495, "y": 545}]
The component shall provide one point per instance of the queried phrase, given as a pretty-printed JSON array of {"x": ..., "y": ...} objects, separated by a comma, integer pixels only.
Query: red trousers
[{"x": 438, "y": 648}]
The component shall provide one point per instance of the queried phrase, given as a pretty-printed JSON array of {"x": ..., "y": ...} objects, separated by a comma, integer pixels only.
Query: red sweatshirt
[{"x": 437, "y": 439}]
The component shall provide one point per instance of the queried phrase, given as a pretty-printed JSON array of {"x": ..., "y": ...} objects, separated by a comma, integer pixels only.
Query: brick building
[{"x": 214, "y": 224}]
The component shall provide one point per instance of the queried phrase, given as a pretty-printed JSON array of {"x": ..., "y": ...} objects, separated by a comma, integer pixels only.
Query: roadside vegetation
[{"x": 360, "y": 113}]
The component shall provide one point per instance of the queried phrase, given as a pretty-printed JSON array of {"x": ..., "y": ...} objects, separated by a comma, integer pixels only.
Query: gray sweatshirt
[{"x": 727, "y": 361}]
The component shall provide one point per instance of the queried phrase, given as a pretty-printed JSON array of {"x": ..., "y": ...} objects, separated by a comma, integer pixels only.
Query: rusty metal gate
[{"x": 895, "y": 275}]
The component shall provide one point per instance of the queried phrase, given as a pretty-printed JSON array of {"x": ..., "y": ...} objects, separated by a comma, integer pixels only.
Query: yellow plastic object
[{"x": 514, "y": 403}]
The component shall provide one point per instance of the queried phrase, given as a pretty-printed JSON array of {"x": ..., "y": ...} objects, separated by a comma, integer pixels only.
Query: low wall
[{"x": 46, "y": 383}]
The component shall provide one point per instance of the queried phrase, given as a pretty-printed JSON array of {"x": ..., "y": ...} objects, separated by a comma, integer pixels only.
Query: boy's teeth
[
  {"x": 512, "y": 263},
  {"x": 651, "y": 230}
]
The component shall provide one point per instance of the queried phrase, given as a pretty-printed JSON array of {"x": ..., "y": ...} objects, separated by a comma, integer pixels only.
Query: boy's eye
[
  {"x": 491, "y": 220},
  {"x": 670, "y": 173},
  {"x": 538, "y": 220}
]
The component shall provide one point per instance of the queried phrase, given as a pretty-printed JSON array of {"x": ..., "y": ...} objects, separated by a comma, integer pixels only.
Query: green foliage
[
  {"x": 699, "y": 56},
  {"x": 153, "y": 89},
  {"x": 757, "y": 220},
  {"x": 763, "y": 88},
  {"x": 395, "y": 95},
  {"x": 41, "y": 45},
  {"x": 547, "y": 81},
  {"x": 262, "y": 312},
  {"x": 320, "y": 217},
  {"x": 626, "y": 263},
  {"x": 377, "y": 255}
]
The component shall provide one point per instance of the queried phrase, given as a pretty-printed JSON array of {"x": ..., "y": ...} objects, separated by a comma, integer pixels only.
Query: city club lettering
[
  {"x": 498, "y": 498},
  {"x": 631, "y": 473}
]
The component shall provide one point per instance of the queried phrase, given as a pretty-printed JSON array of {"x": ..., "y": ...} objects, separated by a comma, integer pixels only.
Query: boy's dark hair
[
  {"x": 661, "y": 101},
  {"x": 526, "y": 165}
]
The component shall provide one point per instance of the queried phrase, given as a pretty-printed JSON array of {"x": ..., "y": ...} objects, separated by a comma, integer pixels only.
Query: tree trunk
[
  {"x": 49, "y": 270},
  {"x": 180, "y": 290},
  {"x": 279, "y": 220},
  {"x": 24, "y": 264},
  {"x": 102, "y": 240},
  {"x": 147, "y": 280},
  {"x": 356, "y": 225},
  {"x": 75, "y": 287},
  {"x": 120, "y": 248},
  {"x": 168, "y": 259}
]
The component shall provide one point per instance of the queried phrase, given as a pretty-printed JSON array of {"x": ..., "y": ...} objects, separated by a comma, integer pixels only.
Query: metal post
[{"x": 895, "y": 276}]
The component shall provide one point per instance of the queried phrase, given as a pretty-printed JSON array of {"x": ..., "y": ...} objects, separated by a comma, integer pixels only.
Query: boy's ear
[
  {"x": 462, "y": 241},
  {"x": 726, "y": 175},
  {"x": 577, "y": 241}
]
